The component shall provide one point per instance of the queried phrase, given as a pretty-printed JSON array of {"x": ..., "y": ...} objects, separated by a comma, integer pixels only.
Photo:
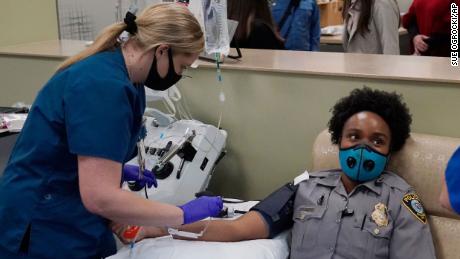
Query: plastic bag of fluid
[
  {"x": 196, "y": 8},
  {"x": 215, "y": 26}
]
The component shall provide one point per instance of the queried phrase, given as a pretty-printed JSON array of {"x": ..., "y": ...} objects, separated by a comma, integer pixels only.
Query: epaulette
[
  {"x": 324, "y": 173},
  {"x": 393, "y": 180}
]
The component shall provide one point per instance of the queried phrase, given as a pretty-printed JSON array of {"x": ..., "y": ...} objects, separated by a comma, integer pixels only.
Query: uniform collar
[
  {"x": 332, "y": 179},
  {"x": 374, "y": 185}
]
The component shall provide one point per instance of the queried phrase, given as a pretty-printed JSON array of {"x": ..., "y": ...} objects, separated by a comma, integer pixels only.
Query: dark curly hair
[{"x": 389, "y": 106}]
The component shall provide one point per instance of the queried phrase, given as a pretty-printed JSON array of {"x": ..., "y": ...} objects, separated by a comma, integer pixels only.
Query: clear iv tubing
[
  {"x": 221, "y": 94},
  {"x": 131, "y": 233}
]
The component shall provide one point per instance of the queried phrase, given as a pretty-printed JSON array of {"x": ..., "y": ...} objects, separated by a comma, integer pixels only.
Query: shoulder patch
[{"x": 413, "y": 204}]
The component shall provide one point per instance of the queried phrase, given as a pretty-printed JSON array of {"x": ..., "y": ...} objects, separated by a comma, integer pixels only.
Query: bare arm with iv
[{"x": 247, "y": 227}]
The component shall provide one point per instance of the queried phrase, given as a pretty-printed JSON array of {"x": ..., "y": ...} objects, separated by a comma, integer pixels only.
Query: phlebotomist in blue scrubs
[{"x": 61, "y": 186}]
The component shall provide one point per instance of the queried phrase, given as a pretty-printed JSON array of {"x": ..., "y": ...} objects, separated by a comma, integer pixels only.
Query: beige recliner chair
[{"x": 421, "y": 163}]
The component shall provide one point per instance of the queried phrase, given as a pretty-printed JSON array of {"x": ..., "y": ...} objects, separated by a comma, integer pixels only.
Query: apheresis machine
[{"x": 182, "y": 154}]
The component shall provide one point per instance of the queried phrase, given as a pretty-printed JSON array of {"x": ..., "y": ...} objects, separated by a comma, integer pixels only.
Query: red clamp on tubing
[{"x": 131, "y": 232}]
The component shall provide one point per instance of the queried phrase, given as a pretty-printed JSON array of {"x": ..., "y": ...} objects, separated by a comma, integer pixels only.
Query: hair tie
[{"x": 130, "y": 21}]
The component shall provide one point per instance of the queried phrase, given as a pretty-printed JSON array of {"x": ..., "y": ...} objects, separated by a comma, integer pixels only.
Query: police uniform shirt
[
  {"x": 378, "y": 219},
  {"x": 89, "y": 109}
]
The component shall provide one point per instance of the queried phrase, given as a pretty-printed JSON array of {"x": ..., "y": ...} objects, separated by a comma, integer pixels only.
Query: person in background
[
  {"x": 298, "y": 23},
  {"x": 256, "y": 29},
  {"x": 371, "y": 26},
  {"x": 428, "y": 24},
  {"x": 61, "y": 186},
  {"x": 359, "y": 210},
  {"x": 450, "y": 194}
]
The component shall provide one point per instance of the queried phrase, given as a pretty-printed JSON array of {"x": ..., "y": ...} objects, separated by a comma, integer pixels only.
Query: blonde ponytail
[{"x": 169, "y": 24}]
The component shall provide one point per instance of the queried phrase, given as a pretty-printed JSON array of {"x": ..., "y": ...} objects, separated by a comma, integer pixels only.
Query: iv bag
[
  {"x": 212, "y": 16},
  {"x": 215, "y": 26},
  {"x": 196, "y": 8}
]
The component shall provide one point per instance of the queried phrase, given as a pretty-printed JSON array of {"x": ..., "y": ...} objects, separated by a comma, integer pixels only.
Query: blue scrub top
[
  {"x": 91, "y": 109},
  {"x": 453, "y": 180}
]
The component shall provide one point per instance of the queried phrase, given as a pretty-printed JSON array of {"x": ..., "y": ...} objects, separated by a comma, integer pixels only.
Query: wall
[
  {"x": 24, "y": 21},
  {"x": 23, "y": 77}
]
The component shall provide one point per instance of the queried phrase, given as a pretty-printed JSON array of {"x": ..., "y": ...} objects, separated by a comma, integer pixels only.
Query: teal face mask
[{"x": 361, "y": 163}]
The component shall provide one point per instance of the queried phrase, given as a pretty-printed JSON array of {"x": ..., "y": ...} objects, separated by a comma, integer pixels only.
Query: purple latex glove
[
  {"x": 131, "y": 174},
  {"x": 201, "y": 208}
]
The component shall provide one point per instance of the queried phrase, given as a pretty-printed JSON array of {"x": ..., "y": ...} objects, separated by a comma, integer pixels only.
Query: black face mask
[{"x": 155, "y": 82}]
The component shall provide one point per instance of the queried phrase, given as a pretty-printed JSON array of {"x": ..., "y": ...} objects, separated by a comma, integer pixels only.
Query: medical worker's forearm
[
  {"x": 99, "y": 184},
  {"x": 125, "y": 207}
]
